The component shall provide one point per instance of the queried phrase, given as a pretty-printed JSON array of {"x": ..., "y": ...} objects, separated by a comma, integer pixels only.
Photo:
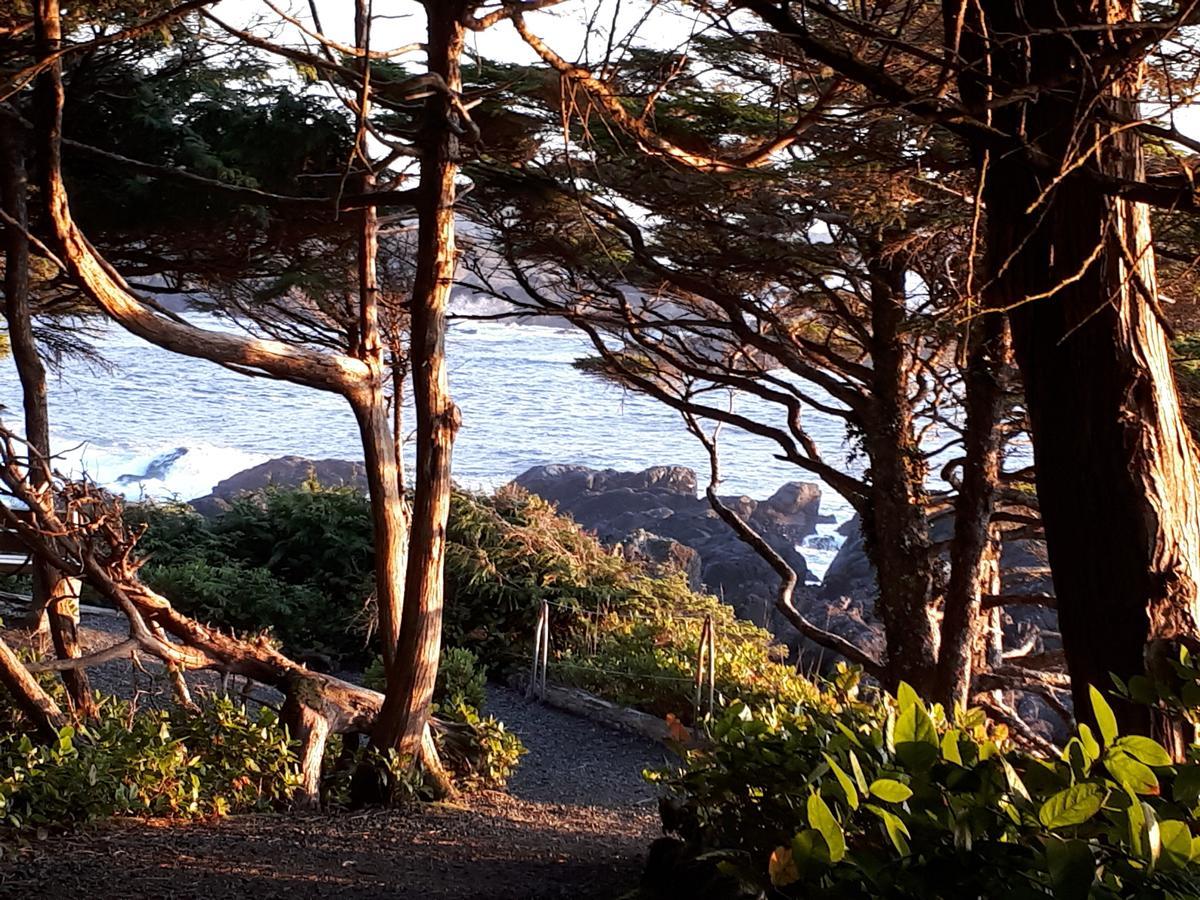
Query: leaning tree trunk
[
  {"x": 1116, "y": 466},
  {"x": 54, "y": 594},
  {"x": 405, "y": 711},
  {"x": 971, "y": 557},
  {"x": 896, "y": 527}
]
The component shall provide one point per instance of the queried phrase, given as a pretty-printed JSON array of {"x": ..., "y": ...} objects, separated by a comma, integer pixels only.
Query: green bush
[
  {"x": 481, "y": 753},
  {"x": 215, "y": 760},
  {"x": 616, "y": 631},
  {"x": 460, "y": 679},
  {"x": 298, "y": 562},
  {"x": 895, "y": 799}
]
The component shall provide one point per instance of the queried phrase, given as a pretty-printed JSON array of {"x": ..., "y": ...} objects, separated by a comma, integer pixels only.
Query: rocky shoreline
[{"x": 657, "y": 516}]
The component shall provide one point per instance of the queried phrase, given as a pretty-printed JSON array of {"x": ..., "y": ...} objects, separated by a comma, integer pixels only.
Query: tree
[
  {"x": 1047, "y": 103},
  {"x": 787, "y": 280}
]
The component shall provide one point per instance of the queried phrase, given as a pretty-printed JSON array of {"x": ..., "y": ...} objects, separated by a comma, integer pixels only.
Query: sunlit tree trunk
[
  {"x": 896, "y": 526},
  {"x": 1116, "y": 466},
  {"x": 405, "y": 712},
  {"x": 972, "y": 552}
]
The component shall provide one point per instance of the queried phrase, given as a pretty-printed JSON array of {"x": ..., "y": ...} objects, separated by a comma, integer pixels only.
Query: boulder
[
  {"x": 794, "y": 508},
  {"x": 656, "y": 516},
  {"x": 286, "y": 472},
  {"x": 1024, "y": 569}
]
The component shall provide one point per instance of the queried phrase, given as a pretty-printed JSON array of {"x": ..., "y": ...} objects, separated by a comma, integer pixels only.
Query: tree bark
[
  {"x": 405, "y": 713},
  {"x": 895, "y": 523},
  {"x": 389, "y": 517},
  {"x": 1116, "y": 466},
  {"x": 970, "y": 572},
  {"x": 54, "y": 594}
]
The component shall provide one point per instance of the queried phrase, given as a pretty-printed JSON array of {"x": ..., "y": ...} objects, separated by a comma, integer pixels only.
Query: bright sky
[{"x": 565, "y": 28}]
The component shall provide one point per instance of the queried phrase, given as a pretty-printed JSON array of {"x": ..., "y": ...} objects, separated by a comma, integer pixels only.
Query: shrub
[
  {"x": 616, "y": 631},
  {"x": 215, "y": 760},
  {"x": 461, "y": 680},
  {"x": 299, "y": 562},
  {"x": 895, "y": 799}
]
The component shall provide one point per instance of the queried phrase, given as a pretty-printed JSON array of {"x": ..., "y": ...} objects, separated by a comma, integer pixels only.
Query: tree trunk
[
  {"x": 971, "y": 576},
  {"x": 389, "y": 515},
  {"x": 1116, "y": 466},
  {"x": 896, "y": 526},
  {"x": 405, "y": 712},
  {"x": 53, "y": 593}
]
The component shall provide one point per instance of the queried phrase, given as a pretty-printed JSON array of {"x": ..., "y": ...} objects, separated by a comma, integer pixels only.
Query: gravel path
[{"x": 576, "y": 823}]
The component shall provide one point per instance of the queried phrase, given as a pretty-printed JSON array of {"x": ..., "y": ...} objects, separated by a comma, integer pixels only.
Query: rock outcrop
[
  {"x": 285, "y": 472},
  {"x": 655, "y": 516}
]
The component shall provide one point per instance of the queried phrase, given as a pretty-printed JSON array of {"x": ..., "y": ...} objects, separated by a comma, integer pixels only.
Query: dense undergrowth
[
  {"x": 893, "y": 798},
  {"x": 218, "y": 758},
  {"x": 299, "y": 562}
]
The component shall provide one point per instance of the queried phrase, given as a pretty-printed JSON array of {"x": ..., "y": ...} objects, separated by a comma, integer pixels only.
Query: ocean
[{"x": 153, "y": 424}]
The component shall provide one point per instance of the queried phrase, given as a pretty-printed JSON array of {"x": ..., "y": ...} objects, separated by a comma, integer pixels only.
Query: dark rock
[
  {"x": 794, "y": 508},
  {"x": 285, "y": 472},
  {"x": 663, "y": 554},
  {"x": 1023, "y": 570},
  {"x": 656, "y": 516}
]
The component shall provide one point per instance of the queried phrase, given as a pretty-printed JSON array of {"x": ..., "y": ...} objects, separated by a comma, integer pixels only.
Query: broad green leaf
[
  {"x": 1091, "y": 747},
  {"x": 1144, "y": 749},
  {"x": 1105, "y": 719},
  {"x": 906, "y": 697},
  {"x": 1074, "y": 806},
  {"x": 809, "y": 851},
  {"x": 915, "y": 726},
  {"x": 950, "y": 751},
  {"x": 844, "y": 781},
  {"x": 896, "y": 830},
  {"x": 1153, "y": 834},
  {"x": 890, "y": 791},
  {"x": 1130, "y": 773},
  {"x": 1187, "y": 785},
  {"x": 1072, "y": 869},
  {"x": 821, "y": 818},
  {"x": 1015, "y": 784},
  {"x": 1176, "y": 843},
  {"x": 1137, "y": 822}
]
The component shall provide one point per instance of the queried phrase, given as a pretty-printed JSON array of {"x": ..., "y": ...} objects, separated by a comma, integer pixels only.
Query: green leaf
[
  {"x": 1144, "y": 749},
  {"x": 950, "y": 751},
  {"x": 1091, "y": 747},
  {"x": 1187, "y": 785},
  {"x": 820, "y": 817},
  {"x": 1131, "y": 774},
  {"x": 809, "y": 850},
  {"x": 896, "y": 830},
  {"x": 1176, "y": 844},
  {"x": 906, "y": 697},
  {"x": 914, "y": 726},
  {"x": 1105, "y": 719},
  {"x": 890, "y": 791},
  {"x": 1072, "y": 869},
  {"x": 861, "y": 779},
  {"x": 844, "y": 780},
  {"x": 1074, "y": 806},
  {"x": 1015, "y": 784},
  {"x": 1137, "y": 821}
]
